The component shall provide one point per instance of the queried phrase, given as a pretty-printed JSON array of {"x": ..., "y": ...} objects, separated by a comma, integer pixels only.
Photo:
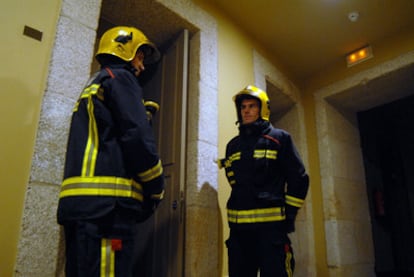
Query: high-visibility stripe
[
  {"x": 91, "y": 149},
  {"x": 158, "y": 196},
  {"x": 294, "y": 201},
  {"x": 230, "y": 176},
  {"x": 265, "y": 153},
  {"x": 234, "y": 157},
  {"x": 107, "y": 259},
  {"x": 101, "y": 186},
  {"x": 94, "y": 89},
  {"x": 151, "y": 173},
  {"x": 288, "y": 261},
  {"x": 256, "y": 215}
]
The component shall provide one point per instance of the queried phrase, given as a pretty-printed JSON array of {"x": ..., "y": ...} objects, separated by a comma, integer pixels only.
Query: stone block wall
[{"x": 346, "y": 214}]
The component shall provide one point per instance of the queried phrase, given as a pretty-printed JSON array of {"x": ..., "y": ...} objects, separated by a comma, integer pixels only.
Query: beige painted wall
[
  {"x": 236, "y": 70},
  {"x": 23, "y": 76}
]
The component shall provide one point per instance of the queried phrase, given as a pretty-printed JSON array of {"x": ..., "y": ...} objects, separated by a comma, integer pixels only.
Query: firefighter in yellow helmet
[
  {"x": 113, "y": 176},
  {"x": 268, "y": 185}
]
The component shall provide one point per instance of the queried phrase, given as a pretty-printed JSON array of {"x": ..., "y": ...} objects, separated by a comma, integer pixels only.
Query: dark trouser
[
  {"x": 100, "y": 247},
  {"x": 264, "y": 250}
]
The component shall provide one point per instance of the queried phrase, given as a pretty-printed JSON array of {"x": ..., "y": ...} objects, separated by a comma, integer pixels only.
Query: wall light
[{"x": 359, "y": 55}]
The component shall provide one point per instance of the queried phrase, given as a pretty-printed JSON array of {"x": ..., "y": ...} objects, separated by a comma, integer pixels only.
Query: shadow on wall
[{"x": 204, "y": 228}]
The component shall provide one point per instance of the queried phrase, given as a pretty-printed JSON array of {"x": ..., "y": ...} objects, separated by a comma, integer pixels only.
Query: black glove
[
  {"x": 148, "y": 208},
  {"x": 291, "y": 213},
  {"x": 289, "y": 225}
]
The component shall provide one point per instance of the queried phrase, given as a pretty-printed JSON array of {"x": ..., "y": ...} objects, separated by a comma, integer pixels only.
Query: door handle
[{"x": 174, "y": 205}]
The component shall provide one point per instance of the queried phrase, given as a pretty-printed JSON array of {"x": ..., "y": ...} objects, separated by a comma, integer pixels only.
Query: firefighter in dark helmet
[
  {"x": 268, "y": 185},
  {"x": 113, "y": 176}
]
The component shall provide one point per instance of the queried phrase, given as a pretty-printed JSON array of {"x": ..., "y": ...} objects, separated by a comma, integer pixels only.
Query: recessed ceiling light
[{"x": 353, "y": 16}]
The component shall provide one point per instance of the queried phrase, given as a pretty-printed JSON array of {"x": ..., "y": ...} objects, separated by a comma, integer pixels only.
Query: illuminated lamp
[{"x": 359, "y": 55}]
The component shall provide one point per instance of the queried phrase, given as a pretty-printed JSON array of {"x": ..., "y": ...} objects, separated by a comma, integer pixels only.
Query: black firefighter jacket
[
  {"x": 111, "y": 157},
  {"x": 268, "y": 179}
]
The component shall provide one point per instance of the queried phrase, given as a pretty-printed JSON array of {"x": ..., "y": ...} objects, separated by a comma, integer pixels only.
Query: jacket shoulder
[
  {"x": 277, "y": 135},
  {"x": 234, "y": 140}
]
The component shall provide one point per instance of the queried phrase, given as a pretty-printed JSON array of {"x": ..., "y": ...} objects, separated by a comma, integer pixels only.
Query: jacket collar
[{"x": 256, "y": 128}]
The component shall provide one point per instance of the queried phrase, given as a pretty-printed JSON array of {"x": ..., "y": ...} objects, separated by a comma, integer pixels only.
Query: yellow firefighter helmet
[
  {"x": 253, "y": 92},
  {"x": 123, "y": 42}
]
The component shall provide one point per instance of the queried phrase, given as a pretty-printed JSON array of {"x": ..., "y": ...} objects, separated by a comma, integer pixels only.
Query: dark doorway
[{"x": 387, "y": 140}]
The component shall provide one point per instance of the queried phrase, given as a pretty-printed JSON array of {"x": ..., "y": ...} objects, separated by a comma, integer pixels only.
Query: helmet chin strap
[{"x": 131, "y": 68}]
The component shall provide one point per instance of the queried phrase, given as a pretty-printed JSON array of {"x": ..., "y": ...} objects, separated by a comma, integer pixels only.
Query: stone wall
[{"x": 346, "y": 215}]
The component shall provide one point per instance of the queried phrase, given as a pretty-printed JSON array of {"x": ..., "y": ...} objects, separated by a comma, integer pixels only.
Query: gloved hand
[
  {"x": 219, "y": 162},
  {"x": 151, "y": 108},
  {"x": 148, "y": 208},
  {"x": 291, "y": 213},
  {"x": 290, "y": 225}
]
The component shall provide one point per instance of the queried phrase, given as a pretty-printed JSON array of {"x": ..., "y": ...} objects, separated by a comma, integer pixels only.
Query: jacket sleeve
[
  {"x": 135, "y": 134},
  {"x": 296, "y": 178}
]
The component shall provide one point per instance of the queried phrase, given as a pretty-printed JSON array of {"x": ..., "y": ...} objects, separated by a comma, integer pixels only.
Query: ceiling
[
  {"x": 307, "y": 36},
  {"x": 304, "y": 36}
]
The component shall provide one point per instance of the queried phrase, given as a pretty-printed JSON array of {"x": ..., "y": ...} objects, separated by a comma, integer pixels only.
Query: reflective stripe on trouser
[
  {"x": 107, "y": 258},
  {"x": 289, "y": 261},
  {"x": 102, "y": 247}
]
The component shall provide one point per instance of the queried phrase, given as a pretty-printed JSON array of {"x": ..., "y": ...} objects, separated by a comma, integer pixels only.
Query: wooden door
[{"x": 160, "y": 250}]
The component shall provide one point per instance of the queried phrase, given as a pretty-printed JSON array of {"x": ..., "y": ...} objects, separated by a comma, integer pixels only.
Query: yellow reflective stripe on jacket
[
  {"x": 94, "y": 89},
  {"x": 91, "y": 149},
  {"x": 294, "y": 201},
  {"x": 101, "y": 186},
  {"x": 230, "y": 176},
  {"x": 256, "y": 215},
  {"x": 265, "y": 153},
  {"x": 232, "y": 158},
  {"x": 151, "y": 173},
  {"x": 235, "y": 156}
]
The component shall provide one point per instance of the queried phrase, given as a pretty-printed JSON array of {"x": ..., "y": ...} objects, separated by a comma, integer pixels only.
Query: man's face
[
  {"x": 138, "y": 62},
  {"x": 249, "y": 110}
]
